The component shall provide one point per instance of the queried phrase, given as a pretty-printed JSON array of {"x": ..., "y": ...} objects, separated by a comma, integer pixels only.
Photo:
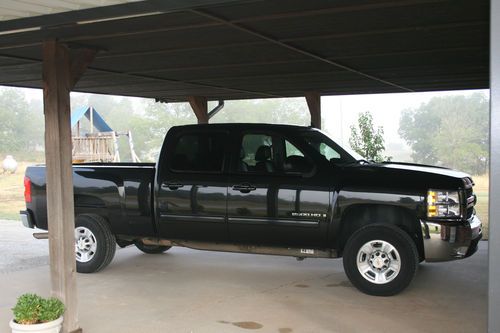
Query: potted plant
[{"x": 33, "y": 313}]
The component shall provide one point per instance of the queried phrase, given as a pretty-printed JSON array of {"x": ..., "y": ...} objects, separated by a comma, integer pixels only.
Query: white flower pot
[{"x": 50, "y": 327}]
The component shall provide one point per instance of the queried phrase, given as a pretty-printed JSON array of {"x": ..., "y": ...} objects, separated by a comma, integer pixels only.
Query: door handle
[
  {"x": 172, "y": 185},
  {"x": 244, "y": 188}
]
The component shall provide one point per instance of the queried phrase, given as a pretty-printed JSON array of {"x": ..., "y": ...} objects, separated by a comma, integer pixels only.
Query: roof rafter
[
  {"x": 338, "y": 9},
  {"x": 108, "y": 12},
  {"x": 295, "y": 48},
  {"x": 156, "y": 78},
  {"x": 165, "y": 9},
  {"x": 292, "y": 39}
]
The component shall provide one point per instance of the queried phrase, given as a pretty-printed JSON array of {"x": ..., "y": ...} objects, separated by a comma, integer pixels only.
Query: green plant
[
  {"x": 366, "y": 140},
  {"x": 33, "y": 309}
]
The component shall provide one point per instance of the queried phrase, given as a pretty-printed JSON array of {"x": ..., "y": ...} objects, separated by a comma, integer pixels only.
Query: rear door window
[{"x": 199, "y": 152}]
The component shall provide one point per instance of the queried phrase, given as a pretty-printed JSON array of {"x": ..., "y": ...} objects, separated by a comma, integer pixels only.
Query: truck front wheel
[
  {"x": 380, "y": 260},
  {"x": 95, "y": 245},
  {"x": 151, "y": 249}
]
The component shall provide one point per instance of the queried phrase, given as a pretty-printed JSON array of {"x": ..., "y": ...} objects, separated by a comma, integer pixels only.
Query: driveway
[
  {"x": 195, "y": 291},
  {"x": 19, "y": 249}
]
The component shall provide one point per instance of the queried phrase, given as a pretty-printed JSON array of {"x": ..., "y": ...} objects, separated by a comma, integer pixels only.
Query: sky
[{"x": 339, "y": 113}]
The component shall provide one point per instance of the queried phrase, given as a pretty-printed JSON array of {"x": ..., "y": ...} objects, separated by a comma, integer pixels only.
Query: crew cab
[{"x": 270, "y": 189}]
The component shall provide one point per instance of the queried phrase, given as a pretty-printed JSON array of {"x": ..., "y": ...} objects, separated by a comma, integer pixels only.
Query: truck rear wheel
[
  {"x": 380, "y": 260},
  {"x": 151, "y": 249},
  {"x": 95, "y": 245}
]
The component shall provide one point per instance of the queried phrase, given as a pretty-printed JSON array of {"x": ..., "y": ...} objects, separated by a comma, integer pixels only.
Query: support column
[
  {"x": 199, "y": 105},
  {"x": 494, "y": 195},
  {"x": 313, "y": 100},
  {"x": 60, "y": 73}
]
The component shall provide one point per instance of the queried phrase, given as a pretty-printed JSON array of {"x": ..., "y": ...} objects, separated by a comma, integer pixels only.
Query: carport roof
[{"x": 229, "y": 49}]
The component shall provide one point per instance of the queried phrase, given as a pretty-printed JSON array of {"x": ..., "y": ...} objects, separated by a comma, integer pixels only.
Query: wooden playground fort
[{"x": 98, "y": 142}]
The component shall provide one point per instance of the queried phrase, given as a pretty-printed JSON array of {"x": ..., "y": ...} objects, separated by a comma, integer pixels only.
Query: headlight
[{"x": 443, "y": 204}]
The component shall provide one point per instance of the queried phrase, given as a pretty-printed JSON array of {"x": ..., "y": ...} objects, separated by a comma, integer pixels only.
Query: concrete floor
[{"x": 193, "y": 291}]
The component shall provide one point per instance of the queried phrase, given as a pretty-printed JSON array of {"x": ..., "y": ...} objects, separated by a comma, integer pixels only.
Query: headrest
[{"x": 263, "y": 153}]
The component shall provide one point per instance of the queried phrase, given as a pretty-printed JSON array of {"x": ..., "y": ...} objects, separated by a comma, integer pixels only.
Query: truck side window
[
  {"x": 256, "y": 154},
  {"x": 295, "y": 161},
  {"x": 200, "y": 152},
  {"x": 328, "y": 152},
  {"x": 291, "y": 150}
]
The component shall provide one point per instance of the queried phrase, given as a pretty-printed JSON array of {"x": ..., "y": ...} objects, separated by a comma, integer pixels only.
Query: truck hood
[{"x": 403, "y": 176}]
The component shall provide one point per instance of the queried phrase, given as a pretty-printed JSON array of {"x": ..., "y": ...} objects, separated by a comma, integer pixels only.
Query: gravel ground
[{"x": 19, "y": 249}]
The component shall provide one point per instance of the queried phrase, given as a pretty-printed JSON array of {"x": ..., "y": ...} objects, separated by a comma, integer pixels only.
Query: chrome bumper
[{"x": 449, "y": 241}]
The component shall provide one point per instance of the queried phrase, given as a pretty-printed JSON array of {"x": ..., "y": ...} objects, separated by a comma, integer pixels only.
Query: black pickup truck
[{"x": 270, "y": 189}]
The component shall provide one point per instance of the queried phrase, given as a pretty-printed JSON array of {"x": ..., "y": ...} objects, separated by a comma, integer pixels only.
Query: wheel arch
[
  {"x": 359, "y": 215},
  {"x": 95, "y": 215}
]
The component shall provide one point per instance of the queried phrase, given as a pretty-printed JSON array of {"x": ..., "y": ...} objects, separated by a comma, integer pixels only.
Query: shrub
[{"x": 33, "y": 309}]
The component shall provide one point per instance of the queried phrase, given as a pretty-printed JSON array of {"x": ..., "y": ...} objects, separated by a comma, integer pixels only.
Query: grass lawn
[{"x": 12, "y": 193}]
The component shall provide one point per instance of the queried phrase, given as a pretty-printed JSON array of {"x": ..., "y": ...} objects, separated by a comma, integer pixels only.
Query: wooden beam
[
  {"x": 79, "y": 63},
  {"x": 60, "y": 73},
  {"x": 199, "y": 105},
  {"x": 313, "y": 100}
]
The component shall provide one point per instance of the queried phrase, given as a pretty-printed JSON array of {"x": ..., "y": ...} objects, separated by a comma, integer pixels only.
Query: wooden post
[
  {"x": 200, "y": 107},
  {"x": 313, "y": 100},
  {"x": 59, "y": 174},
  {"x": 60, "y": 73}
]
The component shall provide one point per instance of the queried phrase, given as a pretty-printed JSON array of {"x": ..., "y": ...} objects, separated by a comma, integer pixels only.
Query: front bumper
[{"x": 445, "y": 241}]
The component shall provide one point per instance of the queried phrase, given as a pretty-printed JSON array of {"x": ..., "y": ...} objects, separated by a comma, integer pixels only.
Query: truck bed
[{"x": 121, "y": 192}]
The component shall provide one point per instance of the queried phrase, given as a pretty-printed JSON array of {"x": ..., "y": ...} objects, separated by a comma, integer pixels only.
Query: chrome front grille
[{"x": 470, "y": 197}]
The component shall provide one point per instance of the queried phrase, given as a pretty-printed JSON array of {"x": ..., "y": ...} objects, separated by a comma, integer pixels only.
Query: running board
[{"x": 240, "y": 248}]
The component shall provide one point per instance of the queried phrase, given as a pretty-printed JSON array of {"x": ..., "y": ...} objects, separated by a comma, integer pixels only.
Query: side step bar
[{"x": 240, "y": 248}]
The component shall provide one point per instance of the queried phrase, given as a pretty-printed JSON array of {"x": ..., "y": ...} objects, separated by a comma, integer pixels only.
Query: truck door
[
  {"x": 275, "y": 194},
  {"x": 192, "y": 186}
]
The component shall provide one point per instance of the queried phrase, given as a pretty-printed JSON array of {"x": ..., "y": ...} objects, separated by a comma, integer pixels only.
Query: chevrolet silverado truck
[{"x": 270, "y": 189}]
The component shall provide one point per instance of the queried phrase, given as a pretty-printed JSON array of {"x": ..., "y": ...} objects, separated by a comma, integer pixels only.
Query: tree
[
  {"x": 366, "y": 140},
  {"x": 291, "y": 111},
  {"x": 21, "y": 124},
  {"x": 158, "y": 118},
  {"x": 451, "y": 131}
]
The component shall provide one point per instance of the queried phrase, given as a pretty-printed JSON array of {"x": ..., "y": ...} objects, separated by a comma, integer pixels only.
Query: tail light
[{"x": 27, "y": 190}]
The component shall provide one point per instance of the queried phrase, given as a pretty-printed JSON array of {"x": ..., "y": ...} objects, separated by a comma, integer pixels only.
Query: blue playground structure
[{"x": 97, "y": 142}]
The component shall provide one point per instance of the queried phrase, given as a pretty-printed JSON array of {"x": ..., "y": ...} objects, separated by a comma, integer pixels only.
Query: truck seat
[{"x": 262, "y": 157}]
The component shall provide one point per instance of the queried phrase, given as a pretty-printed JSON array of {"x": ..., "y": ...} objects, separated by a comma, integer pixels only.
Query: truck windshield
[{"x": 329, "y": 149}]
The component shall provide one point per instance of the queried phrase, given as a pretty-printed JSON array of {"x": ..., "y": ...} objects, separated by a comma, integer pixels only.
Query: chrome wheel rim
[
  {"x": 85, "y": 244},
  {"x": 378, "y": 261}
]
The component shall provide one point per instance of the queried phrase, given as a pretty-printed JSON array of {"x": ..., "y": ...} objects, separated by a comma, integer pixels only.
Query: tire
[
  {"x": 151, "y": 249},
  {"x": 386, "y": 255},
  {"x": 95, "y": 245}
]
